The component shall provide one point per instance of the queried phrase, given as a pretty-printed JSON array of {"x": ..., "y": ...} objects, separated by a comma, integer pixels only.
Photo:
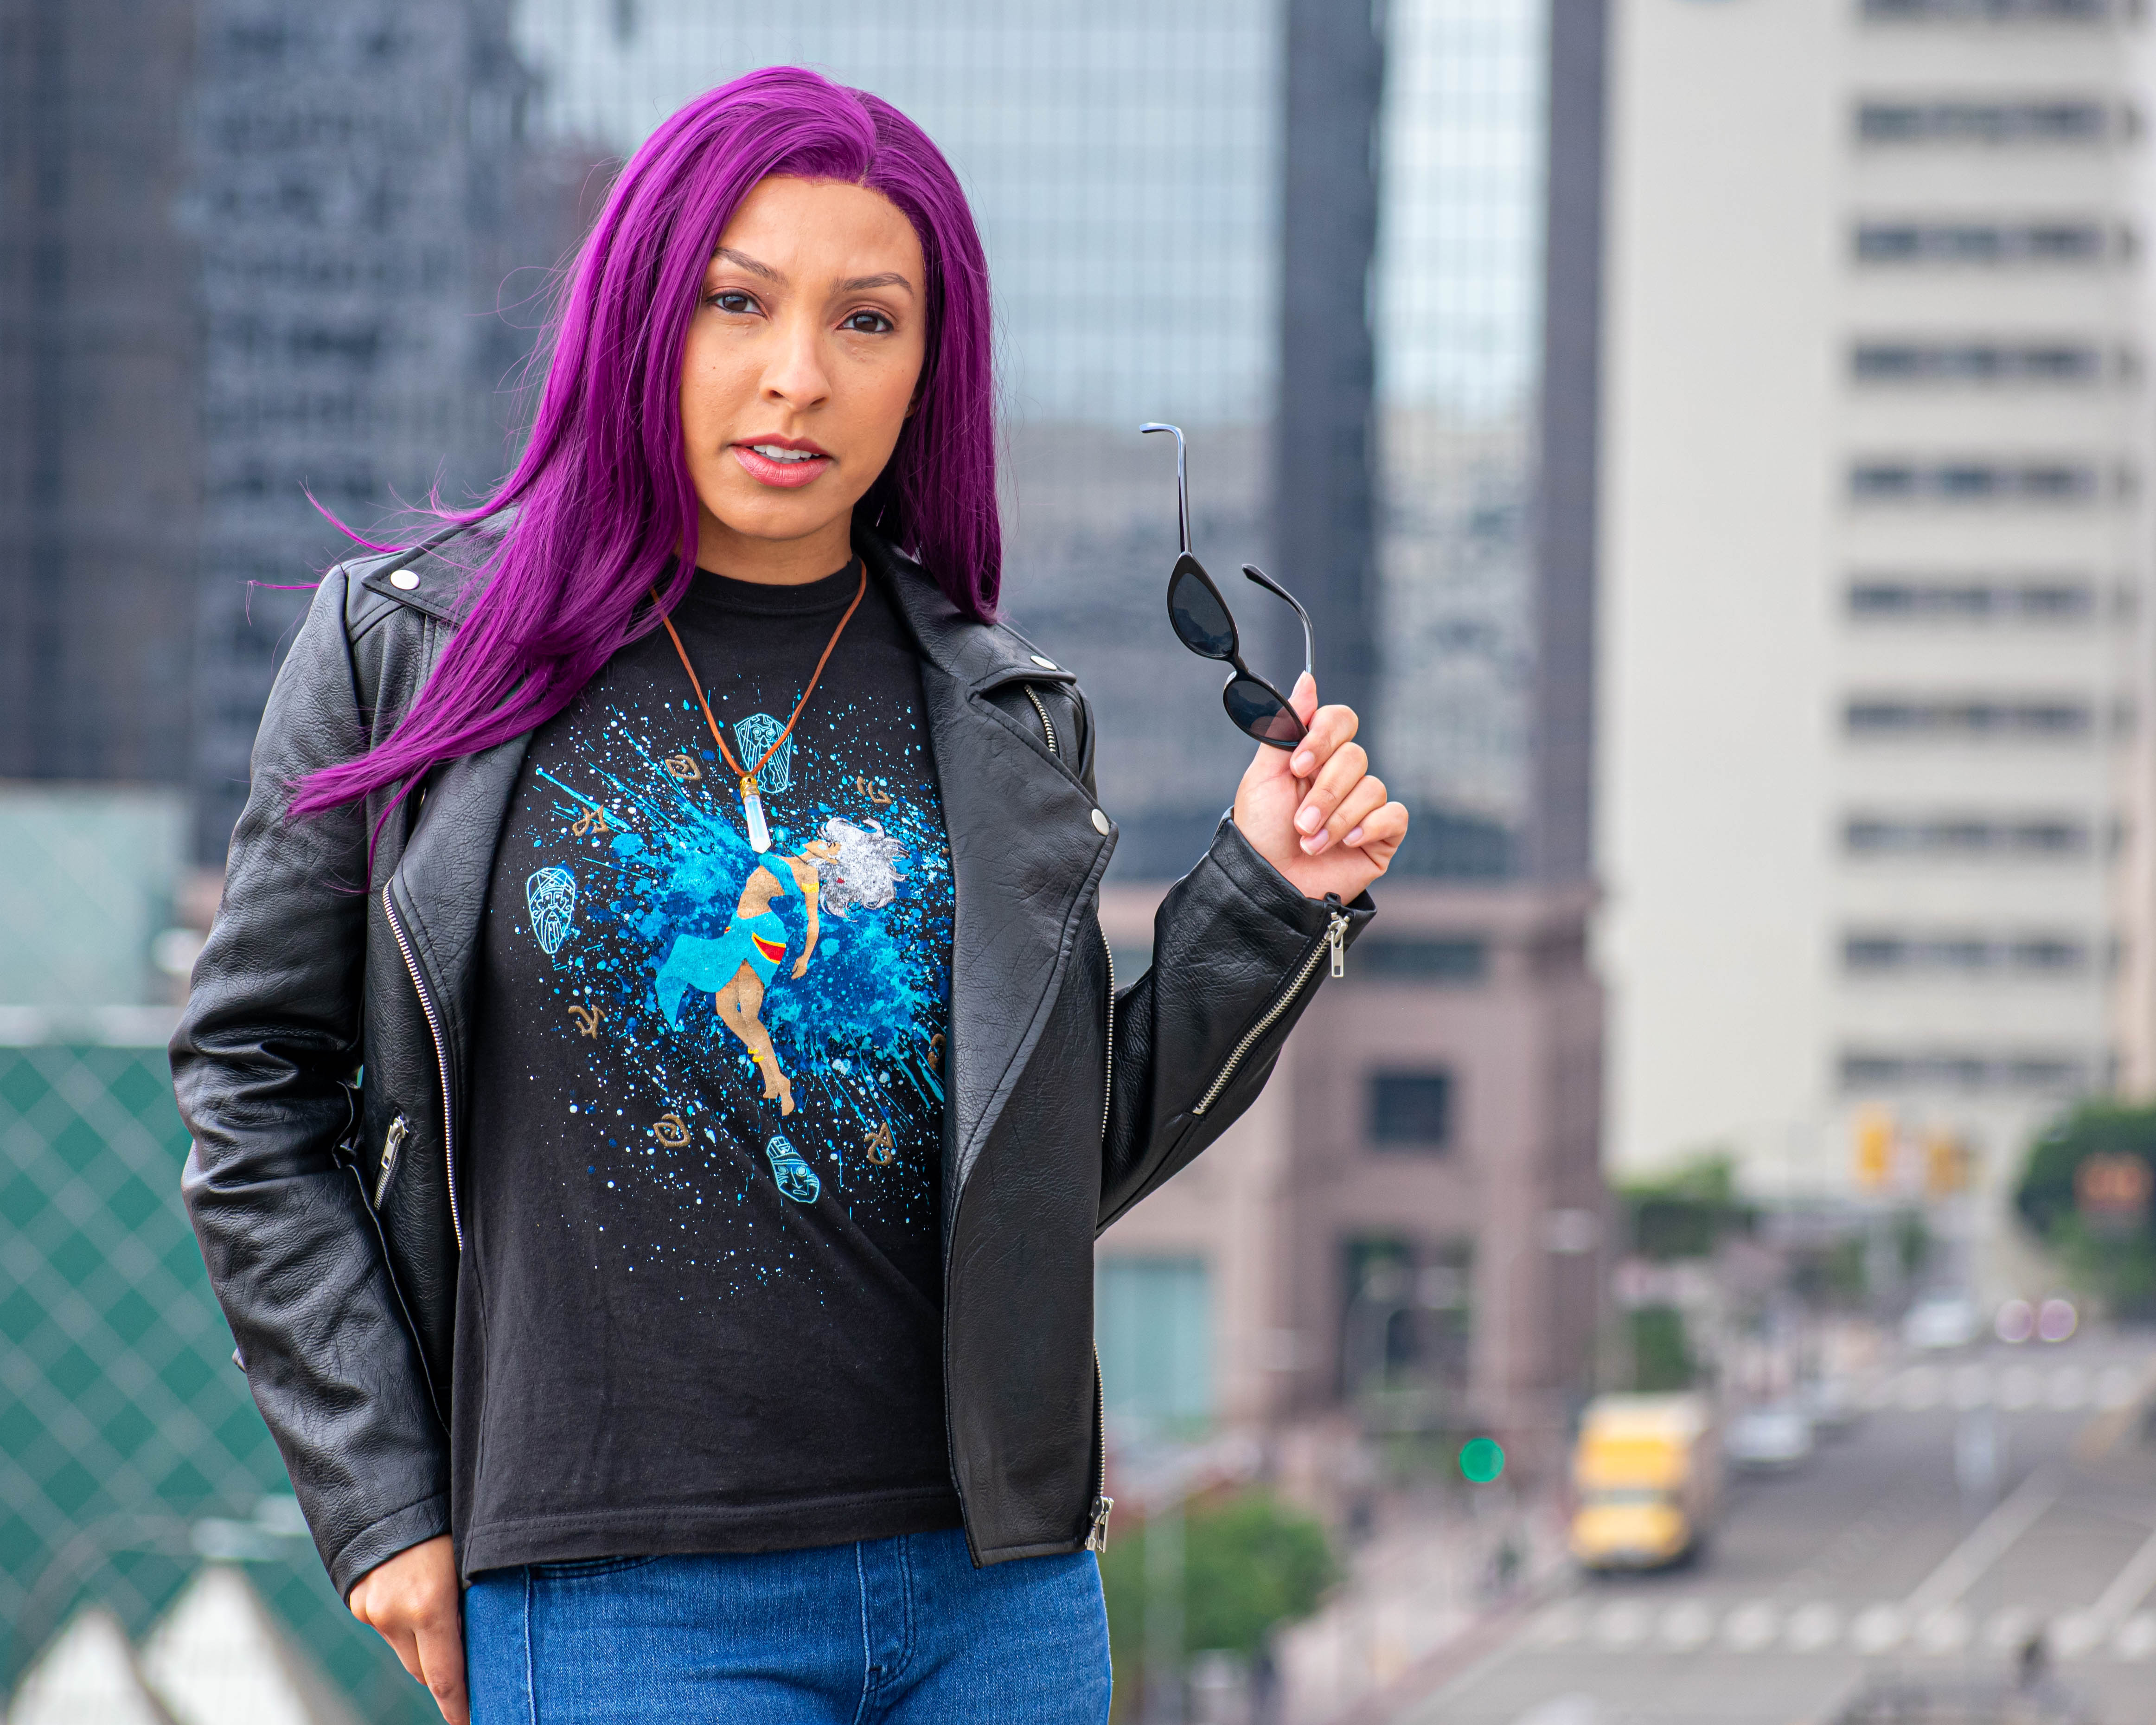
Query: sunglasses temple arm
[
  {"x": 1309, "y": 641},
  {"x": 1181, "y": 482}
]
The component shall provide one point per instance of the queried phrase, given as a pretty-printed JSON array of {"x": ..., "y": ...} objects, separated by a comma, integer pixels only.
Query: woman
[
  {"x": 739, "y": 966},
  {"x": 712, "y": 1419}
]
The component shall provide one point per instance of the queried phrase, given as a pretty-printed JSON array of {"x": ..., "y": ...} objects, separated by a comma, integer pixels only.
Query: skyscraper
[
  {"x": 1878, "y": 807},
  {"x": 360, "y": 193},
  {"x": 98, "y": 357}
]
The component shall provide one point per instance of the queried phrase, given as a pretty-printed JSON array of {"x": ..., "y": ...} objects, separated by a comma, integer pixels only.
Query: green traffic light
[{"x": 1481, "y": 1459}]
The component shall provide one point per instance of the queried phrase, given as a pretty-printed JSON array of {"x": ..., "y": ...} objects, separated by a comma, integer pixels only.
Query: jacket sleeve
[
  {"x": 1238, "y": 953},
  {"x": 265, "y": 1063}
]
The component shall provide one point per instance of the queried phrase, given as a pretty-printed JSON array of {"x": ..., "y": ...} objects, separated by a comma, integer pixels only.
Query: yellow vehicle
[{"x": 1646, "y": 1476}]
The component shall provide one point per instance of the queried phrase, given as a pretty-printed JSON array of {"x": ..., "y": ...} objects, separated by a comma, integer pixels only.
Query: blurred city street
[{"x": 1879, "y": 1562}]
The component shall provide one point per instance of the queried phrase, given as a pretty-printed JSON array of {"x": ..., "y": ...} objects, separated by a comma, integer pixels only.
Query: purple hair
[{"x": 605, "y": 509}]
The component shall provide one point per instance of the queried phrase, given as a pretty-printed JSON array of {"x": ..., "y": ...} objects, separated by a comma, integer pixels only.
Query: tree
[
  {"x": 2109, "y": 1253},
  {"x": 1685, "y": 1212},
  {"x": 1248, "y": 1565}
]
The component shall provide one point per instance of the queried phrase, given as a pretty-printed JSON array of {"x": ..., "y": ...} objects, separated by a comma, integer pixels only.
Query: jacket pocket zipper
[
  {"x": 1329, "y": 941},
  {"x": 441, "y": 1061},
  {"x": 392, "y": 1141},
  {"x": 1096, "y": 1534}
]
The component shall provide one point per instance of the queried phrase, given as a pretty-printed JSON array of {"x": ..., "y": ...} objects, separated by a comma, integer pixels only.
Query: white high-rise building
[{"x": 1875, "y": 812}]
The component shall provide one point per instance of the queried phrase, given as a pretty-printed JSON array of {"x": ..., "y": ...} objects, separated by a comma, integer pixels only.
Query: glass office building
[{"x": 1458, "y": 305}]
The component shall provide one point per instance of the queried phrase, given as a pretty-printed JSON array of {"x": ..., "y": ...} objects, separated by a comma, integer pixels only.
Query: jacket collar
[{"x": 976, "y": 656}]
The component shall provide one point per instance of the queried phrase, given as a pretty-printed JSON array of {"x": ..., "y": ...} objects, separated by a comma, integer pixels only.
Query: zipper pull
[
  {"x": 392, "y": 1141},
  {"x": 1333, "y": 931},
  {"x": 1097, "y": 1539}
]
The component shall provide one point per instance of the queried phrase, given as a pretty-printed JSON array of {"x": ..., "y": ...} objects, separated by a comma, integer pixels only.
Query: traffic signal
[
  {"x": 1948, "y": 1164},
  {"x": 1874, "y": 1147}
]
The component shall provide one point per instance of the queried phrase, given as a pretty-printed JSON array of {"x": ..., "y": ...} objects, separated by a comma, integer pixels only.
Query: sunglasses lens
[
  {"x": 1259, "y": 712},
  {"x": 1201, "y": 621}
]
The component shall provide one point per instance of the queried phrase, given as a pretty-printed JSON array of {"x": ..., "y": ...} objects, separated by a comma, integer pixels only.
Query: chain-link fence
[{"x": 129, "y": 1451}]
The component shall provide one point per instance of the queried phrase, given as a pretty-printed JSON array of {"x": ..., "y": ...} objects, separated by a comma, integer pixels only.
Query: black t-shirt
[{"x": 699, "y": 1305}]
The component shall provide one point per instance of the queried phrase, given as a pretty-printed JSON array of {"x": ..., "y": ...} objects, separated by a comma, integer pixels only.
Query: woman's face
[{"x": 803, "y": 355}]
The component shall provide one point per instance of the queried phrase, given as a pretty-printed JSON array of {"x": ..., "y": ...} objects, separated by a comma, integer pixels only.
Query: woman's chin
[{"x": 766, "y": 521}]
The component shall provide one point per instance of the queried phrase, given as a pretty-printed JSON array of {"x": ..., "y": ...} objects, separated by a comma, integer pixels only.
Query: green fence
[{"x": 128, "y": 1447}]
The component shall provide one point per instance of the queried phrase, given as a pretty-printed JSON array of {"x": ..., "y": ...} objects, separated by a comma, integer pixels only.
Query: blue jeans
[{"x": 903, "y": 1631}]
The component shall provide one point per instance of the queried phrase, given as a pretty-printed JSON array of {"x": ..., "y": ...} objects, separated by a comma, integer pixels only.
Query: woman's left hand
[{"x": 1316, "y": 812}]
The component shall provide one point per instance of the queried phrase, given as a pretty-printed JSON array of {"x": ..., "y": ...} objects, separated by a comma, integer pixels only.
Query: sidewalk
[{"x": 1422, "y": 1587}]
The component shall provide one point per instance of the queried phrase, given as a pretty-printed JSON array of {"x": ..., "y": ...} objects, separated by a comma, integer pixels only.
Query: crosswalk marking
[
  {"x": 1818, "y": 1626},
  {"x": 1878, "y": 1629},
  {"x": 2064, "y": 1388}
]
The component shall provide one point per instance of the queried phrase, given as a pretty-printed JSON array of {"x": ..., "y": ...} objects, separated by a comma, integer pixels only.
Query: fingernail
[
  {"x": 1308, "y": 820},
  {"x": 1301, "y": 764},
  {"x": 1354, "y": 837},
  {"x": 1314, "y": 844}
]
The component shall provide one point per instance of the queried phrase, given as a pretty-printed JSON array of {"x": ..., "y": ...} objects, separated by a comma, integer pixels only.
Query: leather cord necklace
[{"x": 752, "y": 795}]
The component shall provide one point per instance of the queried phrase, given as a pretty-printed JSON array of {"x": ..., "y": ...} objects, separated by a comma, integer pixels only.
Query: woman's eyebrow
[
  {"x": 862, "y": 284},
  {"x": 742, "y": 260}
]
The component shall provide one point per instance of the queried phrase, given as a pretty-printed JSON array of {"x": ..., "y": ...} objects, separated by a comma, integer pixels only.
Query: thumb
[{"x": 1296, "y": 762}]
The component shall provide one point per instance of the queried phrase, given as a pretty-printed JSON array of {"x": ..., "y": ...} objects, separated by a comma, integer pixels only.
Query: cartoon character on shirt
[{"x": 844, "y": 867}]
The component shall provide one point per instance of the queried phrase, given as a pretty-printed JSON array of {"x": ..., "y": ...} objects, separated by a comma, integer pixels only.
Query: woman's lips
[{"x": 787, "y": 475}]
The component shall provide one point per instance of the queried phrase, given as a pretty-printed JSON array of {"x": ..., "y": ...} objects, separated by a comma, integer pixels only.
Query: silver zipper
[
  {"x": 1097, "y": 1536},
  {"x": 1330, "y": 943},
  {"x": 1108, "y": 1088},
  {"x": 1045, "y": 725},
  {"x": 441, "y": 1062},
  {"x": 392, "y": 1141}
]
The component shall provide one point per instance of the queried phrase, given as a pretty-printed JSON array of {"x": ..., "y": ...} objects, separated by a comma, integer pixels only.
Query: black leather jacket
[{"x": 335, "y": 996}]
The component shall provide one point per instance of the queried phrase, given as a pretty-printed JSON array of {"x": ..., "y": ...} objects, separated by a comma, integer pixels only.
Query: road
[{"x": 1871, "y": 1561}]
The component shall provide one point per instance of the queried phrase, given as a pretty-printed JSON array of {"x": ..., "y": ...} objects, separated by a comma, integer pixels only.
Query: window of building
[
  {"x": 2041, "y": 121},
  {"x": 2036, "y": 837},
  {"x": 1438, "y": 958},
  {"x": 2063, "y": 11},
  {"x": 1152, "y": 1317},
  {"x": 1975, "y": 598},
  {"x": 1901, "y": 480},
  {"x": 1407, "y": 1312},
  {"x": 2060, "y": 363},
  {"x": 1901, "y": 953},
  {"x": 1878, "y": 1069},
  {"x": 1961, "y": 241},
  {"x": 1968, "y": 719},
  {"x": 2035, "y": 598},
  {"x": 1411, "y": 1111}
]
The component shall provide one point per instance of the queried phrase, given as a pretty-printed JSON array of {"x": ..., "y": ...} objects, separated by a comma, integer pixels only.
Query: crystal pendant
[{"x": 759, "y": 835}]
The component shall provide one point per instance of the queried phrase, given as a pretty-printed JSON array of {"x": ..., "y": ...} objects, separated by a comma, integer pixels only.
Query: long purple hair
[{"x": 604, "y": 507}]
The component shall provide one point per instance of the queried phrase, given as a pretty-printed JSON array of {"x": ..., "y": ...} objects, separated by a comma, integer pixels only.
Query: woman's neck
[{"x": 772, "y": 562}]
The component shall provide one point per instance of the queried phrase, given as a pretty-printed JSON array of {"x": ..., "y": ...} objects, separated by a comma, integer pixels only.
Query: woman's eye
[
  {"x": 868, "y": 323},
  {"x": 731, "y": 300}
]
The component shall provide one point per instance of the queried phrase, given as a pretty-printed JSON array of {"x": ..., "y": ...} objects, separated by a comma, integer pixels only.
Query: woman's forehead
[{"x": 786, "y": 225}]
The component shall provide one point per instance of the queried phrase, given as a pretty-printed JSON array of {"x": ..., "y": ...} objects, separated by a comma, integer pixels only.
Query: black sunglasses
[{"x": 1203, "y": 624}]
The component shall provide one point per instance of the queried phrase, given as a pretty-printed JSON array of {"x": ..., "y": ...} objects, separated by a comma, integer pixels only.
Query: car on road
[
  {"x": 1831, "y": 1403},
  {"x": 1647, "y": 1473},
  {"x": 1772, "y": 1438},
  {"x": 1941, "y": 1321}
]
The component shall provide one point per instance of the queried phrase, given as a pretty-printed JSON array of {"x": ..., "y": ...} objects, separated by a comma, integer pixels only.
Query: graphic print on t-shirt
[{"x": 791, "y": 1001}]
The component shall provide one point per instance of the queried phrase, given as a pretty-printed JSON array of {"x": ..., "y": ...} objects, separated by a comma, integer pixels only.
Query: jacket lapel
[
  {"x": 1026, "y": 854},
  {"x": 440, "y": 884}
]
